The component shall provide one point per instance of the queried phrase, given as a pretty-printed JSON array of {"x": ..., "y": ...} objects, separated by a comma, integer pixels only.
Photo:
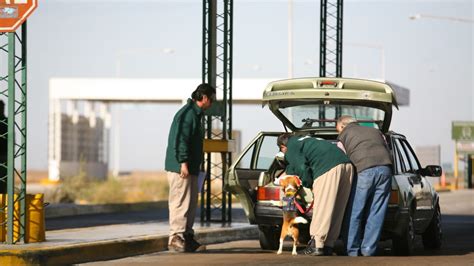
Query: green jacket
[
  {"x": 309, "y": 158},
  {"x": 185, "y": 139}
]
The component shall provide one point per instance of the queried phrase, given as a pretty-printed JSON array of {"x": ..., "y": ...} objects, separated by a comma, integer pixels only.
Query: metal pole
[
  {"x": 11, "y": 137},
  {"x": 322, "y": 40},
  {"x": 212, "y": 44},
  {"x": 469, "y": 171},
  {"x": 23, "y": 132},
  {"x": 382, "y": 50},
  {"x": 339, "y": 38},
  {"x": 290, "y": 39},
  {"x": 225, "y": 133},
  {"x": 204, "y": 79},
  {"x": 217, "y": 51},
  {"x": 116, "y": 171},
  {"x": 230, "y": 59}
]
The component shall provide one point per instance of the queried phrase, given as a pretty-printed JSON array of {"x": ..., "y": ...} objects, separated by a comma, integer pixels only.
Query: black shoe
[
  {"x": 328, "y": 251},
  {"x": 311, "y": 249},
  {"x": 191, "y": 245}
]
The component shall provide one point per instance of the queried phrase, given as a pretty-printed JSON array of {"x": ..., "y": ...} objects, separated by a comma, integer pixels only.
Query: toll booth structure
[{"x": 462, "y": 132}]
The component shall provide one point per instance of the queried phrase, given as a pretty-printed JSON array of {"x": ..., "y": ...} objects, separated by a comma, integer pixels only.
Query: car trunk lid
[{"x": 314, "y": 104}]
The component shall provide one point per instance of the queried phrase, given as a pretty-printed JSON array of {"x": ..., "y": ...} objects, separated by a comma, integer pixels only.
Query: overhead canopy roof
[{"x": 162, "y": 90}]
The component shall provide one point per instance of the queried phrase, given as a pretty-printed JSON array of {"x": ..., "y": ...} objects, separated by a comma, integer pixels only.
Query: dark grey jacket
[{"x": 365, "y": 146}]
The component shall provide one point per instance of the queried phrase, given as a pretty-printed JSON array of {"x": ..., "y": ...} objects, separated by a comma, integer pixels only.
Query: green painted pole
[
  {"x": 23, "y": 206},
  {"x": 224, "y": 156},
  {"x": 231, "y": 64},
  {"x": 11, "y": 136}
]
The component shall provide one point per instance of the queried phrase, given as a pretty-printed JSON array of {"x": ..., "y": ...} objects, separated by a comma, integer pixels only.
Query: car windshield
[{"x": 325, "y": 115}]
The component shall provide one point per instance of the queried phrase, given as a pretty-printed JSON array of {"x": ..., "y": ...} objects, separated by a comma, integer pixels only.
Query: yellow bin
[
  {"x": 3, "y": 216},
  {"x": 34, "y": 222}
]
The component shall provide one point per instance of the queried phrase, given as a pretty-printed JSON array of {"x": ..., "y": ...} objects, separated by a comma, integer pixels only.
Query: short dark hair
[
  {"x": 283, "y": 139},
  {"x": 203, "y": 89}
]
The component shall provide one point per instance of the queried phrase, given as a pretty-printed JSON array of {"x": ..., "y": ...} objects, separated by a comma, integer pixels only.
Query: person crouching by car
[
  {"x": 325, "y": 168},
  {"x": 367, "y": 149}
]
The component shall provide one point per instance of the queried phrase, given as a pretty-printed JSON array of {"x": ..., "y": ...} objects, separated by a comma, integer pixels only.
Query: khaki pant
[
  {"x": 331, "y": 192},
  {"x": 182, "y": 201}
]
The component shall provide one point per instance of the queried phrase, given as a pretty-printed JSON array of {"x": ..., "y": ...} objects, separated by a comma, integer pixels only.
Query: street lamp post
[
  {"x": 458, "y": 19},
  {"x": 290, "y": 38}
]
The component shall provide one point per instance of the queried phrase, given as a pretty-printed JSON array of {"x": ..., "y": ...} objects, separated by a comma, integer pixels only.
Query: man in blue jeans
[{"x": 368, "y": 202}]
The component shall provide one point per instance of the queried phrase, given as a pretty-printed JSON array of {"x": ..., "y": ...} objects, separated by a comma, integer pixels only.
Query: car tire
[
  {"x": 269, "y": 237},
  {"x": 404, "y": 244},
  {"x": 433, "y": 235}
]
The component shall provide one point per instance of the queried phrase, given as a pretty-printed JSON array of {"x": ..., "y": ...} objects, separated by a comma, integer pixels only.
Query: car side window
[
  {"x": 403, "y": 157},
  {"x": 411, "y": 156},
  {"x": 246, "y": 161},
  {"x": 397, "y": 161},
  {"x": 267, "y": 152}
]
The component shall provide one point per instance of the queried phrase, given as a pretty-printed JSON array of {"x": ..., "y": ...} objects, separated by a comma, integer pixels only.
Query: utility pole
[
  {"x": 216, "y": 203},
  {"x": 330, "y": 48}
]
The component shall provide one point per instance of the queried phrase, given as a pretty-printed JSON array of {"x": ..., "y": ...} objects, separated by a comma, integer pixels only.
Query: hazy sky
[{"x": 432, "y": 57}]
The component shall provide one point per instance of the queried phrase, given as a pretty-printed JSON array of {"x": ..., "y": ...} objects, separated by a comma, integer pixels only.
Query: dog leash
[{"x": 300, "y": 208}]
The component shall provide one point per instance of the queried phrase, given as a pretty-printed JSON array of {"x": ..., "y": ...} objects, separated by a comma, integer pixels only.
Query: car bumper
[{"x": 268, "y": 214}]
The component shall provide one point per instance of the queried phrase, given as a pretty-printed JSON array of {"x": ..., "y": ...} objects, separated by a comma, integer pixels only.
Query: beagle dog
[{"x": 290, "y": 185}]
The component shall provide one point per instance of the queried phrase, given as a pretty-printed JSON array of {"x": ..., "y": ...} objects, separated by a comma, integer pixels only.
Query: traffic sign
[
  {"x": 462, "y": 130},
  {"x": 14, "y": 12}
]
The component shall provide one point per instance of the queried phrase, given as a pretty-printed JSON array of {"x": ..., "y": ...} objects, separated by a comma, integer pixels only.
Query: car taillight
[
  {"x": 268, "y": 193},
  {"x": 393, "y": 197}
]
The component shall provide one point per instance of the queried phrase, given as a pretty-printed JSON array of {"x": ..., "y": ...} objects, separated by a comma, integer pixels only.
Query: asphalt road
[{"x": 458, "y": 246}]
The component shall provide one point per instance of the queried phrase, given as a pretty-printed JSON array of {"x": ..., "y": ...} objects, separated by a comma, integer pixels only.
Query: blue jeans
[{"x": 368, "y": 203}]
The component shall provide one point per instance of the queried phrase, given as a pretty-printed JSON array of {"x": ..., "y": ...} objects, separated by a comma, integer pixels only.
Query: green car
[{"x": 311, "y": 106}]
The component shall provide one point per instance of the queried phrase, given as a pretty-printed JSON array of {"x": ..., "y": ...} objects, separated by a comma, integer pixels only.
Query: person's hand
[{"x": 184, "y": 170}]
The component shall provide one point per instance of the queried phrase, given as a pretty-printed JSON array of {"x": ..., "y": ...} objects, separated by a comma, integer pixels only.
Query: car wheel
[
  {"x": 433, "y": 235},
  {"x": 404, "y": 244},
  {"x": 269, "y": 237}
]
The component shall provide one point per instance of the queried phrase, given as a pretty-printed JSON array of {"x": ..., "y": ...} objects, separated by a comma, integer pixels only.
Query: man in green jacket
[
  {"x": 325, "y": 168},
  {"x": 183, "y": 161}
]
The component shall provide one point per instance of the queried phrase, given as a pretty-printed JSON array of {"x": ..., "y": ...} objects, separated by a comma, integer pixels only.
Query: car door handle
[{"x": 413, "y": 179}]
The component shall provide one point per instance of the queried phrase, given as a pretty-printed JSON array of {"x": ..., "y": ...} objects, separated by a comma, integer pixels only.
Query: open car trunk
[{"x": 311, "y": 104}]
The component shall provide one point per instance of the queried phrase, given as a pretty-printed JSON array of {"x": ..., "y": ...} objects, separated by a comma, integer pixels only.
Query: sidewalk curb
[{"x": 116, "y": 248}]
